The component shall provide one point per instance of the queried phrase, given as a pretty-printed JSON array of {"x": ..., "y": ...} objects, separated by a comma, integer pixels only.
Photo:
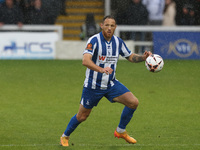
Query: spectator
[
  {"x": 169, "y": 13},
  {"x": 89, "y": 28},
  {"x": 155, "y": 9},
  {"x": 25, "y": 6},
  {"x": 10, "y": 14},
  {"x": 197, "y": 11},
  {"x": 37, "y": 15},
  {"x": 188, "y": 15},
  {"x": 137, "y": 14},
  {"x": 119, "y": 9},
  {"x": 53, "y": 7},
  {"x": 62, "y": 9}
]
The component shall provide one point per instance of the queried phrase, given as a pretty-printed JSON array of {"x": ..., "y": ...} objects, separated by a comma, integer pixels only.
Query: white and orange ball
[{"x": 154, "y": 63}]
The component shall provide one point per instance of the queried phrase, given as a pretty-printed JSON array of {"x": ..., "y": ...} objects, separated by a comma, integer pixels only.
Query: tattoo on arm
[{"x": 137, "y": 58}]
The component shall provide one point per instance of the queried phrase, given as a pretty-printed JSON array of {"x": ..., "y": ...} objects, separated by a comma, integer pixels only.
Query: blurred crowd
[
  {"x": 147, "y": 12},
  {"x": 128, "y": 12},
  {"x": 157, "y": 12},
  {"x": 154, "y": 12},
  {"x": 30, "y": 11}
]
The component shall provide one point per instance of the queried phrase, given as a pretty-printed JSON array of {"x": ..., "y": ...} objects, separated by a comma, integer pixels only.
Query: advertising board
[
  {"x": 27, "y": 45},
  {"x": 177, "y": 45}
]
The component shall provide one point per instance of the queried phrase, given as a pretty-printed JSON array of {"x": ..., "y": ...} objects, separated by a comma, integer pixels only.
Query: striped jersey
[{"x": 104, "y": 54}]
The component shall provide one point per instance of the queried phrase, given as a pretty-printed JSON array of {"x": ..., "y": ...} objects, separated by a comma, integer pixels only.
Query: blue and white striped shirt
[{"x": 104, "y": 54}]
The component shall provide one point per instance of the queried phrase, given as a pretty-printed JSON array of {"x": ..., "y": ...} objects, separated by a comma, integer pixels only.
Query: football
[{"x": 154, "y": 63}]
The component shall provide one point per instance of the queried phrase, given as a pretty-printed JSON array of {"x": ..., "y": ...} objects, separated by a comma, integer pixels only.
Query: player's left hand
[{"x": 147, "y": 53}]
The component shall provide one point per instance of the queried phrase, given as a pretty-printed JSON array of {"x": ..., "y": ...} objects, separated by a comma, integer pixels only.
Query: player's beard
[{"x": 108, "y": 35}]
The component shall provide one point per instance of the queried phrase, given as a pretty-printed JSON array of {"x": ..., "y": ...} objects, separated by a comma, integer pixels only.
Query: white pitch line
[
  {"x": 100, "y": 145},
  {"x": 27, "y": 145},
  {"x": 145, "y": 145}
]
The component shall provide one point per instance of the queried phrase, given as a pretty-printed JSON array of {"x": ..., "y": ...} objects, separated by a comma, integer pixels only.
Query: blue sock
[
  {"x": 71, "y": 126},
  {"x": 126, "y": 116}
]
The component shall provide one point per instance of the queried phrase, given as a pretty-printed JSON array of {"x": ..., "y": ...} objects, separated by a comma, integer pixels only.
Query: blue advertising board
[{"x": 177, "y": 45}]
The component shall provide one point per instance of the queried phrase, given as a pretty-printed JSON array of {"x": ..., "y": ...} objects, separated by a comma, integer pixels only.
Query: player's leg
[
  {"x": 128, "y": 99},
  {"x": 81, "y": 116},
  {"x": 131, "y": 103},
  {"x": 89, "y": 99},
  {"x": 119, "y": 93}
]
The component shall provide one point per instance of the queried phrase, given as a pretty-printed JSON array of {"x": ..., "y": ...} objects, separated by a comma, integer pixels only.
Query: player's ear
[{"x": 101, "y": 25}]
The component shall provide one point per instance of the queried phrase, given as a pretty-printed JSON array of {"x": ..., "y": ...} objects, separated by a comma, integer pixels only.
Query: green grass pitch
[{"x": 38, "y": 98}]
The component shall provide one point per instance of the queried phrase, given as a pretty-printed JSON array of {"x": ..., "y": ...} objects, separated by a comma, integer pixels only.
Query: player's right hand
[{"x": 107, "y": 70}]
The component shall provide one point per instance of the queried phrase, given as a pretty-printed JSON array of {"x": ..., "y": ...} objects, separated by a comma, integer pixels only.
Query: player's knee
[
  {"x": 82, "y": 118},
  {"x": 134, "y": 103}
]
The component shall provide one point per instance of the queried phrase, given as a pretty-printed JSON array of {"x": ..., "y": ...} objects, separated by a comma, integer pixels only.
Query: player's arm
[
  {"x": 135, "y": 58},
  {"x": 87, "y": 61}
]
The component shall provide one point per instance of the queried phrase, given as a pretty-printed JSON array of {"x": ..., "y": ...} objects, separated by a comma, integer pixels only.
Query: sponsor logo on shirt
[
  {"x": 111, "y": 59},
  {"x": 102, "y": 58}
]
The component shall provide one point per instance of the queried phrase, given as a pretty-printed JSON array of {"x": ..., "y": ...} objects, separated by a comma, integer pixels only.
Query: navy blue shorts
[{"x": 91, "y": 97}]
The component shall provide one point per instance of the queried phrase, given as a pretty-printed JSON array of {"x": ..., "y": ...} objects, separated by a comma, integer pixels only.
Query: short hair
[{"x": 109, "y": 17}]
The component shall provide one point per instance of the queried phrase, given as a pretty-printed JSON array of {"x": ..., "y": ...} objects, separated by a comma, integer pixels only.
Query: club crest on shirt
[{"x": 89, "y": 46}]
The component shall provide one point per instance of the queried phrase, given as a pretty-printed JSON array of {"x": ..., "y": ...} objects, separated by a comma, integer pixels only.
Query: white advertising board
[{"x": 28, "y": 45}]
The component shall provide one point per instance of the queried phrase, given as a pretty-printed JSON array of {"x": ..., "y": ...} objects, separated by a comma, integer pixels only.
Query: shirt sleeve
[
  {"x": 124, "y": 51},
  {"x": 90, "y": 46}
]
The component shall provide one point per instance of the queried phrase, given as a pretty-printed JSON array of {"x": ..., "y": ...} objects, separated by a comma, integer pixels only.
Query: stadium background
[{"x": 37, "y": 96}]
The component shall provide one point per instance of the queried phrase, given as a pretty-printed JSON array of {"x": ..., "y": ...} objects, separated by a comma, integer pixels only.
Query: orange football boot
[
  {"x": 64, "y": 141},
  {"x": 125, "y": 136}
]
